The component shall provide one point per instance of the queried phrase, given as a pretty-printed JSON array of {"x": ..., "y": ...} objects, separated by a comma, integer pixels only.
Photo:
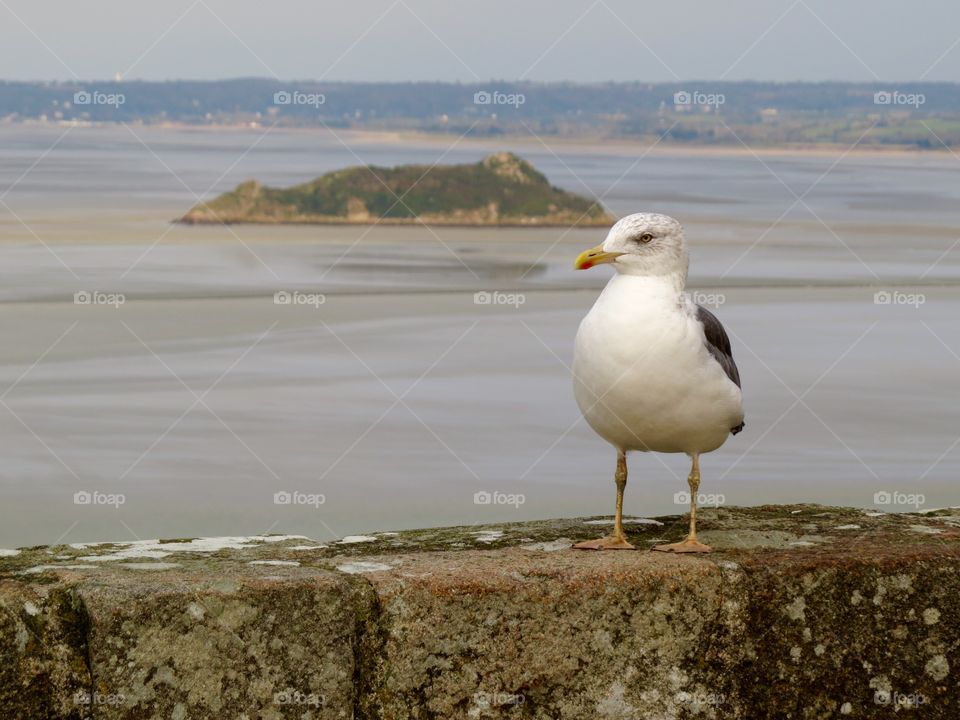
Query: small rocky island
[{"x": 500, "y": 190}]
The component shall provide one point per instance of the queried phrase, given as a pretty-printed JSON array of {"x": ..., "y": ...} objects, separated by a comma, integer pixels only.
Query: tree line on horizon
[{"x": 913, "y": 114}]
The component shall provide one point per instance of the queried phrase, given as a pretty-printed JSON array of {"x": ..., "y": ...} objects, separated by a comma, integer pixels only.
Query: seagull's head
[{"x": 640, "y": 244}]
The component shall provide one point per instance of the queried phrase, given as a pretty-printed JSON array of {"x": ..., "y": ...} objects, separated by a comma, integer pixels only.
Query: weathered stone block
[{"x": 802, "y": 613}]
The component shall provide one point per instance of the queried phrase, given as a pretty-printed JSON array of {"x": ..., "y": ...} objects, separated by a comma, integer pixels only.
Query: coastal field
[{"x": 195, "y": 372}]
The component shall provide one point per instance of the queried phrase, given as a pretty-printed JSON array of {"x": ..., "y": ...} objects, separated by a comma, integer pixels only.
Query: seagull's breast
[{"x": 643, "y": 378}]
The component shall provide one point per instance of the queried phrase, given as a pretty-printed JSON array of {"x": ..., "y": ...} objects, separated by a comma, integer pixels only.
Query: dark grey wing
[{"x": 719, "y": 346}]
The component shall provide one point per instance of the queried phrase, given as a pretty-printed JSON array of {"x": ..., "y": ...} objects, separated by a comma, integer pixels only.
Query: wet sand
[
  {"x": 199, "y": 396},
  {"x": 309, "y": 403}
]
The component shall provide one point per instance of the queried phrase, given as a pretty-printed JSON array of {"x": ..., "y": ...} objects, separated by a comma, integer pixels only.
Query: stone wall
[{"x": 802, "y": 612}]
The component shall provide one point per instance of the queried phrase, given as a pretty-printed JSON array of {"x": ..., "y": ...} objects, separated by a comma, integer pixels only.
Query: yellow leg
[
  {"x": 620, "y": 477},
  {"x": 618, "y": 540},
  {"x": 693, "y": 482},
  {"x": 691, "y": 544}
]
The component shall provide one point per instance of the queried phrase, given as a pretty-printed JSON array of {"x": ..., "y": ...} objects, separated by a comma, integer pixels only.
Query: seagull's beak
[{"x": 594, "y": 256}]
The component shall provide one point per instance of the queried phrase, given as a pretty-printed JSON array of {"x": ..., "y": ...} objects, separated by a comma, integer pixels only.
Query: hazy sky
[{"x": 469, "y": 40}]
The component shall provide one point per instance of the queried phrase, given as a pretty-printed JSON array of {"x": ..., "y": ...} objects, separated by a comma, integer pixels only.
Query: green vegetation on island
[{"x": 502, "y": 189}]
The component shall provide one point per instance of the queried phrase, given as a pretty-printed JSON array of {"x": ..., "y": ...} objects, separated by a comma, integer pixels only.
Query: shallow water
[{"x": 399, "y": 398}]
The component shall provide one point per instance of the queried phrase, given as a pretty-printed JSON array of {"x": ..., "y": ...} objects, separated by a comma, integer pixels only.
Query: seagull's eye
[{"x": 645, "y": 238}]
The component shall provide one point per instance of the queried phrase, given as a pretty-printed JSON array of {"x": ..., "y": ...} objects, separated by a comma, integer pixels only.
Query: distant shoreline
[
  {"x": 409, "y": 222},
  {"x": 616, "y": 146},
  {"x": 572, "y": 144}
]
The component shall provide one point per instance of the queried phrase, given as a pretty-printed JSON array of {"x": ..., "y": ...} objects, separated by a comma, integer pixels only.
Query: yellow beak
[{"x": 594, "y": 256}]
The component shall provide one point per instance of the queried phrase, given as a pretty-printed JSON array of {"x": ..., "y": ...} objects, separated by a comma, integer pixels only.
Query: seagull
[{"x": 652, "y": 370}]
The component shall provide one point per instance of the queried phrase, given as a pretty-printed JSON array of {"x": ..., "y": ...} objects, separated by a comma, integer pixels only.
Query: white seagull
[{"x": 652, "y": 370}]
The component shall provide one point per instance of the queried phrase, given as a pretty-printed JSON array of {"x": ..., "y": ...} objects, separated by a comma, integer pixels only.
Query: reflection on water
[{"x": 399, "y": 397}]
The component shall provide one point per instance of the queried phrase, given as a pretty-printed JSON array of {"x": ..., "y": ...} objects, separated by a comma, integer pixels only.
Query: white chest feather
[{"x": 643, "y": 377}]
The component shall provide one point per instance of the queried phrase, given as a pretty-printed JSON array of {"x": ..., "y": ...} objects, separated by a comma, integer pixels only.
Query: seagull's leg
[
  {"x": 691, "y": 544},
  {"x": 617, "y": 541},
  {"x": 620, "y": 477},
  {"x": 693, "y": 482}
]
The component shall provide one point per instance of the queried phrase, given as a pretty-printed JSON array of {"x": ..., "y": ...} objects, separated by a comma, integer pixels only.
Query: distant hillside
[
  {"x": 501, "y": 189},
  {"x": 767, "y": 114}
]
